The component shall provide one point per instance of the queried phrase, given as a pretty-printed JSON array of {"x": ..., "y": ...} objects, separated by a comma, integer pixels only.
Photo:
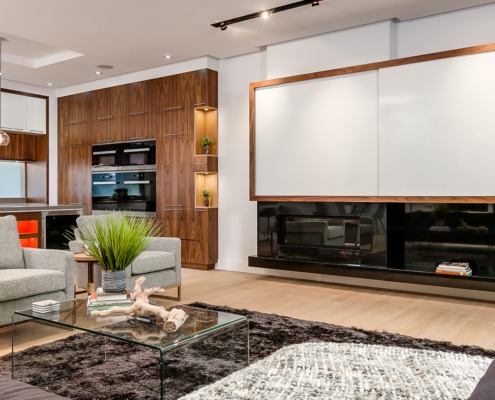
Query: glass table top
[{"x": 200, "y": 323}]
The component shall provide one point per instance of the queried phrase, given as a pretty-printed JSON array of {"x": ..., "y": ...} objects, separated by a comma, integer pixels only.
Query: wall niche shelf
[
  {"x": 205, "y": 124},
  {"x": 207, "y": 181}
]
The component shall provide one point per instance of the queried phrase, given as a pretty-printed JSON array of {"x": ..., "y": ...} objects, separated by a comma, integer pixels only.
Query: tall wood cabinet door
[
  {"x": 109, "y": 103},
  {"x": 107, "y": 131},
  {"x": 108, "y": 114},
  {"x": 169, "y": 117},
  {"x": 202, "y": 251},
  {"x": 63, "y": 121},
  {"x": 178, "y": 223},
  {"x": 138, "y": 111},
  {"x": 74, "y": 185},
  {"x": 168, "y": 93},
  {"x": 174, "y": 174},
  {"x": 203, "y": 88},
  {"x": 80, "y": 107}
]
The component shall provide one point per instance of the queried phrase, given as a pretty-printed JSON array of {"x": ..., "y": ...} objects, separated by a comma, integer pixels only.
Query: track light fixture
[{"x": 265, "y": 13}]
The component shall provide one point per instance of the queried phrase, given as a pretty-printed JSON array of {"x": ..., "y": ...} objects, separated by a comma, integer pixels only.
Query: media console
[{"x": 400, "y": 242}]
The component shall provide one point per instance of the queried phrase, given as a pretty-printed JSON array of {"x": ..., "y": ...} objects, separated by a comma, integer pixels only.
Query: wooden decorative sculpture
[{"x": 171, "y": 320}]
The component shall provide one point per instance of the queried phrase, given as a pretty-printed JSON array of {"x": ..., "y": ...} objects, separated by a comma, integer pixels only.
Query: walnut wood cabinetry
[
  {"x": 20, "y": 148},
  {"x": 108, "y": 112},
  {"x": 163, "y": 109},
  {"x": 74, "y": 173},
  {"x": 139, "y": 100}
]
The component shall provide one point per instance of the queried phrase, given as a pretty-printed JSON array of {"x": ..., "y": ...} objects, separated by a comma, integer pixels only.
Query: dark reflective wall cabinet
[{"x": 401, "y": 242}]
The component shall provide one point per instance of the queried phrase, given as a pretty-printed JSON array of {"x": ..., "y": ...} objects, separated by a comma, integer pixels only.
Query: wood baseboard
[{"x": 198, "y": 266}]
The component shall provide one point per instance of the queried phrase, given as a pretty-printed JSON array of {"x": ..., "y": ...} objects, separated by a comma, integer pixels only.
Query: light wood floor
[{"x": 459, "y": 321}]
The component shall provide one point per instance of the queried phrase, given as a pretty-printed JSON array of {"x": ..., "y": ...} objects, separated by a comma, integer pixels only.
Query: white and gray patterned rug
[{"x": 347, "y": 371}]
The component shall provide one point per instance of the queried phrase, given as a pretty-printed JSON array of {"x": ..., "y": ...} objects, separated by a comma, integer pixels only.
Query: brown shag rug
[{"x": 76, "y": 367}]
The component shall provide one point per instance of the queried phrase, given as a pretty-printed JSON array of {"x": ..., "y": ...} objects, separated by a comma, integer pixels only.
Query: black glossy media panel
[{"x": 403, "y": 242}]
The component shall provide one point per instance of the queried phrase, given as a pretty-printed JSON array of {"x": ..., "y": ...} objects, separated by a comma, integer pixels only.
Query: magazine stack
[{"x": 454, "y": 268}]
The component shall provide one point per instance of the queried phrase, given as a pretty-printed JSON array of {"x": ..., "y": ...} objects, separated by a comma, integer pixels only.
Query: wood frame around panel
[{"x": 344, "y": 71}]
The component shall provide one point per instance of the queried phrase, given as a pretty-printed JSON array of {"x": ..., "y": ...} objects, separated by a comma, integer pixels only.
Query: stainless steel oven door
[
  {"x": 130, "y": 191},
  {"x": 106, "y": 156},
  {"x": 139, "y": 155},
  {"x": 104, "y": 186}
]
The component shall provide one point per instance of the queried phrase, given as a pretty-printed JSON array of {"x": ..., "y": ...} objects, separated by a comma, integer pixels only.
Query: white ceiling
[{"x": 62, "y": 41}]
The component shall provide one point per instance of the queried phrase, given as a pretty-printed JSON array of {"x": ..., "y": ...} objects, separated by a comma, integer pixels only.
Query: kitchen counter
[{"x": 35, "y": 207}]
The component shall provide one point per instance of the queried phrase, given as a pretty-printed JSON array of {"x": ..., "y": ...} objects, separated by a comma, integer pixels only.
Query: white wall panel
[
  {"x": 318, "y": 137},
  {"x": 436, "y": 129}
]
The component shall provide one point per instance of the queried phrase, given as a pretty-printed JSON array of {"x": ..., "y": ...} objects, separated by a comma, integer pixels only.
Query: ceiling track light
[{"x": 265, "y": 13}]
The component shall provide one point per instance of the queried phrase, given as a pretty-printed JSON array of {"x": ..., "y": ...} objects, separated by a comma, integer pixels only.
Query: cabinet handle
[
  {"x": 138, "y": 113},
  {"x": 105, "y": 118},
  {"x": 137, "y": 137},
  {"x": 174, "y": 205},
  {"x": 200, "y": 104},
  {"x": 76, "y": 122},
  {"x": 173, "y": 108},
  {"x": 77, "y": 204},
  {"x": 200, "y": 163},
  {"x": 172, "y": 134},
  {"x": 12, "y": 129},
  {"x": 200, "y": 210},
  {"x": 105, "y": 141},
  {"x": 36, "y": 131}
]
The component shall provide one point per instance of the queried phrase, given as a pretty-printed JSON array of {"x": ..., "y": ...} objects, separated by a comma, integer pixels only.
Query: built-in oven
[
  {"x": 133, "y": 191},
  {"x": 106, "y": 156},
  {"x": 139, "y": 154},
  {"x": 115, "y": 156}
]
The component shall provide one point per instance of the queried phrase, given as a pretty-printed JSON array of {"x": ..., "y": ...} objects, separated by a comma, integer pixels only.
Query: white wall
[{"x": 376, "y": 42}]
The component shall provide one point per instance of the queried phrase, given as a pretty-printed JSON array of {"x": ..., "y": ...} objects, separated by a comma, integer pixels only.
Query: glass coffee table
[{"x": 200, "y": 325}]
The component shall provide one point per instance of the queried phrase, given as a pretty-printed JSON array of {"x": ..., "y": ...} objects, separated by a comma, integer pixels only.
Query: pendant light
[{"x": 4, "y": 138}]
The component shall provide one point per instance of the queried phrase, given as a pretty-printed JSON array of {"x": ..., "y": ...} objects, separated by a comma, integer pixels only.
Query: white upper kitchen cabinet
[
  {"x": 23, "y": 113},
  {"x": 35, "y": 115}
]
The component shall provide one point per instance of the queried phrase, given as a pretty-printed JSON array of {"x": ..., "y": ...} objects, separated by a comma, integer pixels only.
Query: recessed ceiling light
[
  {"x": 98, "y": 72},
  {"x": 50, "y": 84},
  {"x": 105, "y": 66},
  {"x": 168, "y": 56},
  {"x": 265, "y": 14}
]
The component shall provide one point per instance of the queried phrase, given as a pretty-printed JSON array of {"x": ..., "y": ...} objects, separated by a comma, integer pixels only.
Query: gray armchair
[
  {"x": 160, "y": 263},
  {"x": 28, "y": 275}
]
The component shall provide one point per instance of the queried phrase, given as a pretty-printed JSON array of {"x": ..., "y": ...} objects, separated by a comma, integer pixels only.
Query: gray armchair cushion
[
  {"x": 19, "y": 283},
  {"x": 10, "y": 246},
  {"x": 152, "y": 261}
]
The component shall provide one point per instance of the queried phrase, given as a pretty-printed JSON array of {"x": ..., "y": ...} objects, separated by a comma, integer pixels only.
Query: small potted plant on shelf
[
  {"x": 206, "y": 195},
  {"x": 206, "y": 142}
]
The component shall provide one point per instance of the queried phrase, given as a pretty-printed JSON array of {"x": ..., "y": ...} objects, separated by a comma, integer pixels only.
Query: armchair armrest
[
  {"x": 167, "y": 244},
  {"x": 58, "y": 260},
  {"x": 76, "y": 245}
]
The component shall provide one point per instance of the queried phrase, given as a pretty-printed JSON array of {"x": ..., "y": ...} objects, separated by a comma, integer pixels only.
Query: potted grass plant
[{"x": 115, "y": 242}]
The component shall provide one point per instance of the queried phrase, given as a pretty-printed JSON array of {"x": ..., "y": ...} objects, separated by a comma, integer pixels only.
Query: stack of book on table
[
  {"x": 102, "y": 300},
  {"x": 47, "y": 309},
  {"x": 454, "y": 268}
]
